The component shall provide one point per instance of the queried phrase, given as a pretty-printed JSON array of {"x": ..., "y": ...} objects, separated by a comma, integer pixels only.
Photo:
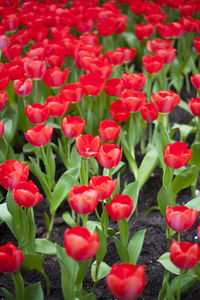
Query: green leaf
[
  {"x": 34, "y": 292},
  {"x": 28, "y": 148},
  {"x": 184, "y": 179},
  {"x": 164, "y": 198},
  {"x": 103, "y": 271},
  {"x": 33, "y": 261},
  {"x": 45, "y": 247},
  {"x": 119, "y": 168},
  {"x": 102, "y": 245},
  {"x": 89, "y": 296},
  {"x": 47, "y": 220},
  {"x": 117, "y": 187},
  {"x": 187, "y": 281},
  {"x": 132, "y": 190},
  {"x": 6, "y": 217},
  {"x": 83, "y": 269},
  {"x": 91, "y": 225},
  {"x": 135, "y": 246},
  {"x": 195, "y": 158},
  {"x": 147, "y": 166},
  {"x": 68, "y": 219},
  {"x": 75, "y": 159},
  {"x": 122, "y": 251},
  {"x": 7, "y": 294},
  {"x": 194, "y": 203},
  {"x": 185, "y": 130},
  {"x": 62, "y": 188},
  {"x": 167, "y": 263},
  {"x": 51, "y": 164}
]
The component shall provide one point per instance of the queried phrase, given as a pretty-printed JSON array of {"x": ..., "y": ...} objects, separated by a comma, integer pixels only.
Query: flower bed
[{"x": 99, "y": 150}]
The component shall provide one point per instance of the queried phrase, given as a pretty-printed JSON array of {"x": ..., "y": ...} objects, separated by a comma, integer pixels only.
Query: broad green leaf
[
  {"x": 7, "y": 294},
  {"x": 122, "y": 251},
  {"x": 103, "y": 271},
  {"x": 6, "y": 216},
  {"x": 91, "y": 225},
  {"x": 165, "y": 197},
  {"x": 185, "y": 179},
  {"x": 187, "y": 281},
  {"x": 119, "y": 168},
  {"x": 33, "y": 261},
  {"x": 102, "y": 245},
  {"x": 132, "y": 190},
  {"x": 83, "y": 269},
  {"x": 167, "y": 263},
  {"x": 195, "y": 158},
  {"x": 135, "y": 246},
  {"x": 28, "y": 148},
  {"x": 194, "y": 203},
  {"x": 44, "y": 246},
  {"x": 34, "y": 292}
]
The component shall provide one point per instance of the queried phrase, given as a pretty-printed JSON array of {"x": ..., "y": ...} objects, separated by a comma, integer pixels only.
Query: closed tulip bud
[
  {"x": 133, "y": 100},
  {"x": 23, "y": 86},
  {"x": 120, "y": 207},
  {"x": 148, "y": 112},
  {"x": 37, "y": 113},
  {"x": 184, "y": 255},
  {"x": 55, "y": 78},
  {"x": 114, "y": 87},
  {"x": 3, "y": 100},
  {"x": 152, "y": 64},
  {"x": 118, "y": 111},
  {"x": 126, "y": 281},
  {"x": 72, "y": 127},
  {"x": 39, "y": 135},
  {"x": 13, "y": 172},
  {"x": 180, "y": 218},
  {"x": 165, "y": 101},
  {"x": 11, "y": 258},
  {"x": 80, "y": 244},
  {"x": 26, "y": 194},
  {"x": 104, "y": 185},
  {"x": 88, "y": 145},
  {"x": 195, "y": 79},
  {"x": 83, "y": 199},
  {"x": 109, "y": 156},
  {"x": 177, "y": 155},
  {"x": 109, "y": 130}
]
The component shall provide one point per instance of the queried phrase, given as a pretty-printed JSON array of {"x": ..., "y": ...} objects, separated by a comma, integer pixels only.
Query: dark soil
[{"x": 155, "y": 243}]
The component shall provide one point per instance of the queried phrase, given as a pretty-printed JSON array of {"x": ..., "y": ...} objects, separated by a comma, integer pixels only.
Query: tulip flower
[
  {"x": 1, "y": 128},
  {"x": 165, "y": 101},
  {"x": 195, "y": 79},
  {"x": 55, "y": 78},
  {"x": 15, "y": 69},
  {"x": 177, "y": 155},
  {"x": 37, "y": 113},
  {"x": 158, "y": 44},
  {"x": 129, "y": 54},
  {"x": 126, "y": 281},
  {"x": 23, "y": 86},
  {"x": 170, "y": 30},
  {"x": 120, "y": 207},
  {"x": 73, "y": 92},
  {"x": 118, "y": 111},
  {"x": 58, "y": 105},
  {"x": 26, "y": 194},
  {"x": 92, "y": 83},
  {"x": 152, "y": 64},
  {"x": 167, "y": 55},
  {"x": 13, "y": 172},
  {"x": 109, "y": 156},
  {"x": 134, "y": 81},
  {"x": 194, "y": 106},
  {"x": 11, "y": 258},
  {"x": 83, "y": 199},
  {"x": 156, "y": 18},
  {"x": 115, "y": 57},
  {"x": 3, "y": 100},
  {"x": 184, "y": 255},
  {"x": 72, "y": 127},
  {"x": 35, "y": 69},
  {"x": 94, "y": 64},
  {"x": 144, "y": 31},
  {"x": 133, "y": 100},
  {"x": 88, "y": 145},
  {"x": 4, "y": 78},
  {"x": 39, "y": 135},
  {"x": 198, "y": 231},
  {"x": 180, "y": 218},
  {"x": 197, "y": 44},
  {"x": 148, "y": 112},
  {"x": 114, "y": 87},
  {"x": 12, "y": 51},
  {"x": 80, "y": 244},
  {"x": 109, "y": 130},
  {"x": 104, "y": 185}
]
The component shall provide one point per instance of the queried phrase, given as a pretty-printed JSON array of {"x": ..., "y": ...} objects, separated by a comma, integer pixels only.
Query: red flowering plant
[{"x": 88, "y": 92}]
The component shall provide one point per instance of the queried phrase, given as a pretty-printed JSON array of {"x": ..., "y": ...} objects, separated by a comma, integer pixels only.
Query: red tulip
[
  {"x": 114, "y": 87},
  {"x": 23, "y": 86},
  {"x": 158, "y": 44},
  {"x": 152, "y": 64},
  {"x": 88, "y": 145},
  {"x": 72, "y": 127},
  {"x": 189, "y": 24},
  {"x": 197, "y": 44},
  {"x": 167, "y": 55},
  {"x": 187, "y": 9},
  {"x": 126, "y": 281},
  {"x": 104, "y": 185},
  {"x": 4, "y": 41},
  {"x": 37, "y": 113},
  {"x": 11, "y": 52},
  {"x": 194, "y": 106},
  {"x": 148, "y": 112},
  {"x": 4, "y": 78},
  {"x": 115, "y": 57},
  {"x": 120, "y": 207},
  {"x": 144, "y": 31},
  {"x": 170, "y": 30},
  {"x": 118, "y": 111},
  {"x": 177, "y": 155},
  {"x": 198, "y": 231},
  {"x": 195, "y": 79},
  {"x": 26, "y": 194},
  {"x": 58, "y": 105},
  {"x": 55, "y": 78},
  {"x": 165, "y": 101},
  {"x": 109, "y": 130},
  {"x": 11, "y": 22},
  {"x": 180, "y": 218},
  {"x": 73, "y": 92},
  {"x": 129, "y": 54},
  {"x": 83, "y": 199},
  {"x": 80, "y": 244},
  {"x": 22, "y": 37},
  {"x": 35, "y": 69},
  {"x": 133, "y": 100},
  {"x": 184, "y": 255},
  {"x": 94, "y": 64},
  {"x": 92, "y": 83},
  {"x": 156, "y": 18},
  {"x": 13, "y": 172},
  {"x": 54, "y": 61},
  {"x": 39, "y": 135},
  {"x": 109, "y": 156},
  {"x": 89, "y": 38},
  {"x": 3, "y": 100},
  {"x": 15, "y": 69},
  {"x": 1, "y": 128},
  {"x": 134, "y": 81},
  {"x": 11, "y": 258}
]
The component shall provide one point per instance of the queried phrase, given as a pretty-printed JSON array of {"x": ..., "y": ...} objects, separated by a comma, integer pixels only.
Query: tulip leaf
[
  {"x": 28, "y": 148},
  {"x": 75, "y": 158},
  {"x": 45, "y": 247},
  {"x": 7, "y": 294},
  {"x": 184, "y": 129},
  {"x": 187, "y": 281},
  {"x": 83, "y": 269},
  {"x": 62, "y": 188},
  {"x": 34, "y": 292},
  {"x": 167, "y": 263},
  {"x": 102, "y": 245},
  {"x": 185, "y": 179},
  {"x": 195, "y": 158},
  {"x": 91, "y": 225},
  {"x": 122, "y": 251},
  {"x": 132, "y": 190},
  {"x": 194, "y": 203},
  {"x": 117, "y": 187},
  {"x": 68, "y": 219},
  {"x": 51, "y": 166},
  {"x": 33, "y": 261},
  {"x": 6, "y": 217},
  {"x": 135, "y": 246},
  {"x": 103, "y": 271},
  {"x": 89, "y": 296},
  {"x": 147, "y": 166},
  {"x": 165, "y": 197},
  {"x": 119, "y": 168}
]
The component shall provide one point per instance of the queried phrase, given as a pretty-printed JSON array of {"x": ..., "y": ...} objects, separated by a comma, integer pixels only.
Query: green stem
[
  {"x": 179, "y": 285},
  {"x": 150, "y": 132},
  {"x": 47, "y": 283},
  {"x": 198, "y": 130},
  {"x": 36, "y": 91},
  {"x": 149, "y": 87},
  {"x": 37, "y": 156},
  {"x": 96, "y": 277},
  {"x": 179, "y": 237},
  {"x": 110, "y": 173},
  {"x": 87, "y": 171},
  {"x": 50, "y": 225},
  {"x": 84, "y": 220}
]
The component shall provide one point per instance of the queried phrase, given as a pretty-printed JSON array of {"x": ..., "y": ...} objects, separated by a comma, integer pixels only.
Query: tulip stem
[
  {"x": 47, "y": 282},
  {"x": 84, "y": 220},
  {"x": 150, "y": 132},
  {"x": 179, "y": 285},
  {"x": 50, "y": 226},
  {"x": 179, "y": 237},
  {"x": 36, "y": 90}
]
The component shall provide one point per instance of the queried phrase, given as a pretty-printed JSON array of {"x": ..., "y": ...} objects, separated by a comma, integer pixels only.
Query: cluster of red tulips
[{"x": 87, "y": 82}]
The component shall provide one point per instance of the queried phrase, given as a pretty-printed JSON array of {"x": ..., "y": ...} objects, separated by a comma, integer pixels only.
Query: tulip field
[{"x": 99, "y": 149}]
